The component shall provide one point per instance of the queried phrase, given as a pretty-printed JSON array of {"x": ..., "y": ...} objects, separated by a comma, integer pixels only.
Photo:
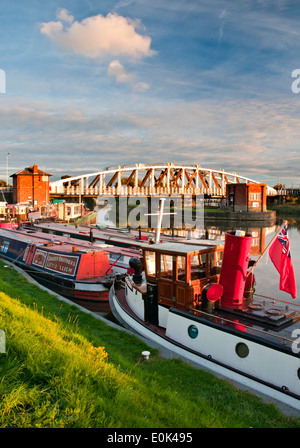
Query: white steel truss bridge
[{"x": 148, "y": 180}]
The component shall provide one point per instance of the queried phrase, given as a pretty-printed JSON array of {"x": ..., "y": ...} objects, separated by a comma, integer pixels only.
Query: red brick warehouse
[{"x": 31, "y": 185}]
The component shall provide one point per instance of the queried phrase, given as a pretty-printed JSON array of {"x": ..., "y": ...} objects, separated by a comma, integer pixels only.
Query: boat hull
[
  {"x": 92, "y": 300},
  {"x": 269, "y": 371},
  {"x": 57, "y": 270},
  {"x": 89, "y": 295}
]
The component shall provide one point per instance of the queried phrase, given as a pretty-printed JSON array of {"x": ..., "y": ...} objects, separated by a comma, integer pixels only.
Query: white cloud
[
  {"x": 99, "y": 36},
  {"x": 222, "y": 17},
  {"x": 117, "y": 70},
  {"x": 249, "y": 138},
  {"x": 65, "y": 16},
  {"x": 52, "y": 28}
]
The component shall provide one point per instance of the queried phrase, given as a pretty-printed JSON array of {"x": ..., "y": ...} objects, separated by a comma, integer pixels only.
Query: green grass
[{"x": 64, "y": 368}]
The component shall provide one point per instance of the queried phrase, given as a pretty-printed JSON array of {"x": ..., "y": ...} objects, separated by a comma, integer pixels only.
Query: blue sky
[{"x": 91, "y": 84}]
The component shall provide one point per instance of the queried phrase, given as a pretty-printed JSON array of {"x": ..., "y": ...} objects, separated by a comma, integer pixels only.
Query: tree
[{"x": 279, "y": 186}]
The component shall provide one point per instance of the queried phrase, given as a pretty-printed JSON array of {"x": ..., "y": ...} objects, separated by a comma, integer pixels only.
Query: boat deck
[
  {"x": 265, "y": 321},
  {"x": 118, "y": 236},
  {"x": 268, "y": 321}
]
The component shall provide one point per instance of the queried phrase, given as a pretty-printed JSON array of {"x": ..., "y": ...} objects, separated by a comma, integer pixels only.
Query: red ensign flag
[{"x": 280, "y": 255}]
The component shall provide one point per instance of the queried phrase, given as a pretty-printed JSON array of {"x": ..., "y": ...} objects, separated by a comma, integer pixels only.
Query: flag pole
[{"x": 267, "y": 247}]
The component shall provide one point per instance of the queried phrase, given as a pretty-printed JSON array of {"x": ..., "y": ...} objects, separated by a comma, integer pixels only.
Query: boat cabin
[{"x": 182, "y": 271}]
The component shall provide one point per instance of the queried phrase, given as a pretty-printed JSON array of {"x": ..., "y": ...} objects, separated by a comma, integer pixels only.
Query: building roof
[{"x": 31, "y": 170}]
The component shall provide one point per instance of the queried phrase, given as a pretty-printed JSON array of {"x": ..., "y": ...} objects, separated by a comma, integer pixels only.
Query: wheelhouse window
[
  {"x": 198, "y": 266},
  {"x": 215, "y": 262},
  {"x": 150, "y": 263},
  {"x": 181, "y": 268},
  {"x": 166, "y": 266}
]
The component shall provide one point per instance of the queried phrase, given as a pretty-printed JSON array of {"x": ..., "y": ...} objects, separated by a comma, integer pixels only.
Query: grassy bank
[{"x": 64, "y": 368}]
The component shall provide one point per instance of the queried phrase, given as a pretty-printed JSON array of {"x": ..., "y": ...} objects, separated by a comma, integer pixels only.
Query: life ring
[{"x": 53, "y": 214}]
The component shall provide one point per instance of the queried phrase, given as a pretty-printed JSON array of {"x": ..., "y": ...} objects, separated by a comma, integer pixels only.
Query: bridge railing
[{"x": 136, "y": 191}]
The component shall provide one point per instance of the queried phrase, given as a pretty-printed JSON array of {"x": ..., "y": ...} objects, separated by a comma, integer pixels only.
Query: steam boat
[
  {"x": 199, "y": 302},
  {"x": 80, "y": 271}
]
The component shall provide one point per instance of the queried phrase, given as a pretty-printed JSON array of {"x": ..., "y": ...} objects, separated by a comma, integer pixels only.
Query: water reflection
[{"x": 267, "y": 278}]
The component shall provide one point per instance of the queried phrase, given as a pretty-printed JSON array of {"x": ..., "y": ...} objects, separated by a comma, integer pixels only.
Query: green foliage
[
  {"x": 63, "y": 368},
  {"x": 286, "y": 210}
]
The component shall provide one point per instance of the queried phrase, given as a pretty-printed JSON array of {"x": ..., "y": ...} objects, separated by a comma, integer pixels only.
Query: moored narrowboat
[{"x": 80, "y": 273}]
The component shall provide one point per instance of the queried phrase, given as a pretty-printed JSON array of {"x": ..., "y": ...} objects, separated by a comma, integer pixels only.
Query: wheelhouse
[{"x": 181, "y": 271}]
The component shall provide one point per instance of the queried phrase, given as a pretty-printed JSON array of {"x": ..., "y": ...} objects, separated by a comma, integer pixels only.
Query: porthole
[
  {"x": 193, "y": 331},
  {"x": 242, "y": 350},
  {"x": 298, "y": 372}
]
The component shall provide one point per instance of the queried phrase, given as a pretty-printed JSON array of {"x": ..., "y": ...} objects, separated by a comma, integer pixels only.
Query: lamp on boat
[{"x": 211, "y": 293}]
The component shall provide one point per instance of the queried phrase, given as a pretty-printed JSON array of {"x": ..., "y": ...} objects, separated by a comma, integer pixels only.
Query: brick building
[
  {"x": 31, "y": 185},
  {"x": 248, "y": 197}
]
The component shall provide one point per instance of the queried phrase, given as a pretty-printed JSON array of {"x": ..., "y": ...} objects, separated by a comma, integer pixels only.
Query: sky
[{"x": 88, "y": 84}]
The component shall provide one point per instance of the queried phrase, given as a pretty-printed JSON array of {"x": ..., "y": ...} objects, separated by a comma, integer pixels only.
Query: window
[
  {"x": 118, "y": 257},
  {"x": 198, "y": 266},
  {"x": 193, "y": 331},
  {"x": 4, "y": 246},
  {"x": 195, "y": 260},
  {"x": 150, "y": 263},
  {"x": 166, "y": 266},
  {"x": 255, "y": 196},
  {"x": 242, "y": 350},
  {"x": 215, "y": 262},
  {"x": 181, "y": 269}
]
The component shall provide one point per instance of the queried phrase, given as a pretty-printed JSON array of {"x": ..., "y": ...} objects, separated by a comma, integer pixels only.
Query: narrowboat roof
[{"x": 61, "y": 243}]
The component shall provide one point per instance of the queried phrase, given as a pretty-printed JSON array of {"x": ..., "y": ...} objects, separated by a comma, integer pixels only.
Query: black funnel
[{"x": 136, "y": 265}]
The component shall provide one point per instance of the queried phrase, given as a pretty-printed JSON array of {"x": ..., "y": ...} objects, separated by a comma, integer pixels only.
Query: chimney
[
  {"x": 234, "y": 267},
  {"x": 35, "y": 169}
]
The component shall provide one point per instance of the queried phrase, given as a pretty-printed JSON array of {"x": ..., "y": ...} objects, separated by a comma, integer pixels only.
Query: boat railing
[{"x": 278, "y": 300}]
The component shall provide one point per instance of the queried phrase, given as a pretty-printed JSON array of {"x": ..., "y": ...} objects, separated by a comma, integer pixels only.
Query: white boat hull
[{"x": 215, "y": 350}]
